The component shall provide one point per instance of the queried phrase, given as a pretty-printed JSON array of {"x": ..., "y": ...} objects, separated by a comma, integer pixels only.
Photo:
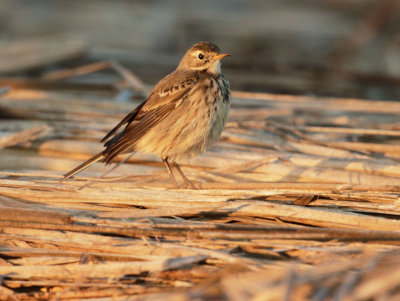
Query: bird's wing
[
  {"x": 165, "y": 97},
  {"x": 127, "y": 119},
  {"x": 171, "y": 88}
]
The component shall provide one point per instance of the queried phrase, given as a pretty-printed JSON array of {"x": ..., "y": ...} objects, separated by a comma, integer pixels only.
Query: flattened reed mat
[{"x": 299, "y": 199}]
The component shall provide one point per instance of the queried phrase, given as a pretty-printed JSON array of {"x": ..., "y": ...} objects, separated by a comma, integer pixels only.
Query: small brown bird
[{"x": 185, "y": 113}]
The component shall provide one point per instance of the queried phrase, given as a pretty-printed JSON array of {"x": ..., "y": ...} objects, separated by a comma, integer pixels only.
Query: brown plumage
[{"x": 185, "y": 113}]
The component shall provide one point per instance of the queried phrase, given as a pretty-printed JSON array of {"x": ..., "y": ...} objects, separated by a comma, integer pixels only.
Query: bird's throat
[{"x": 215, "y": 68}]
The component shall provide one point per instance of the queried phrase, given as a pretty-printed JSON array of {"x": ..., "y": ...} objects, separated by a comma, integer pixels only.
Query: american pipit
[{"x": 185, "y": 113}]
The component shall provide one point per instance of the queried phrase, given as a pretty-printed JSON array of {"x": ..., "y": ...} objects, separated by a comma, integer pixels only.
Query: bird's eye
[{"x": 200, "y": 56}]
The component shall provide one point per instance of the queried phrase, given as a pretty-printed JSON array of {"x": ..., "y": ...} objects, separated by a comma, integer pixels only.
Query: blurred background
[{"x": 345, "y": 48}]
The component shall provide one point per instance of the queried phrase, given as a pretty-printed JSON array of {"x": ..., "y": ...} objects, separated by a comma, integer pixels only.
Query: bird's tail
[{"x": 84, "y": 165}]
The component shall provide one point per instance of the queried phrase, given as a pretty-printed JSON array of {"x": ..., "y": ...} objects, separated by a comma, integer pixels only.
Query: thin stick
[
  {"x": 133, "y": 80},
  {"x": 77, "y": 71},
  {"x": 130, "y": 77}
]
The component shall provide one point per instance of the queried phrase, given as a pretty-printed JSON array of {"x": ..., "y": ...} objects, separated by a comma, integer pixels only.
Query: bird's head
[{"x": 203, "y": 56}]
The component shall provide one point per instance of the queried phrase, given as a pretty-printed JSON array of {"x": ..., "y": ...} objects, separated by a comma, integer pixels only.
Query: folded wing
[{"x": 164, "y": 99}]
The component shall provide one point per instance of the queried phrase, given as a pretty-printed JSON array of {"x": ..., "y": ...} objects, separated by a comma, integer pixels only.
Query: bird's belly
[{"x": 186, "y": 132}]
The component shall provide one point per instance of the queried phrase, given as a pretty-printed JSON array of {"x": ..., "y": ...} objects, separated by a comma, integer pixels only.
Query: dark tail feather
[{"x": 84, "y": 165}]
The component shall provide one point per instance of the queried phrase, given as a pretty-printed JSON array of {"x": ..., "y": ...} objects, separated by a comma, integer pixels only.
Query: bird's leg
[
  {"x": 171, "y": 174},
  {"x": 187, "y": 181}
]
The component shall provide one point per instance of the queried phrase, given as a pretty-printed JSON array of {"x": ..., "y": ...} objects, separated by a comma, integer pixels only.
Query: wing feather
[
  {"x": 127, "y": 119},
  {"x": 132, "y": 135},
  {"x": 165, "y": 97}
]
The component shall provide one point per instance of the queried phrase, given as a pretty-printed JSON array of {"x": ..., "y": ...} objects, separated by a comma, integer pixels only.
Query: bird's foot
[{"x": 187, "y": 184}]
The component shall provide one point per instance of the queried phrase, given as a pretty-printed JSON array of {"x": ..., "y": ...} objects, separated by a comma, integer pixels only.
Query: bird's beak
[{"x": 220, "y": 56}]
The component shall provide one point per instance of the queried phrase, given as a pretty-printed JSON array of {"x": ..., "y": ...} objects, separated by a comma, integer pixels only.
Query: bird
[{"x": 183, "y": 115}]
